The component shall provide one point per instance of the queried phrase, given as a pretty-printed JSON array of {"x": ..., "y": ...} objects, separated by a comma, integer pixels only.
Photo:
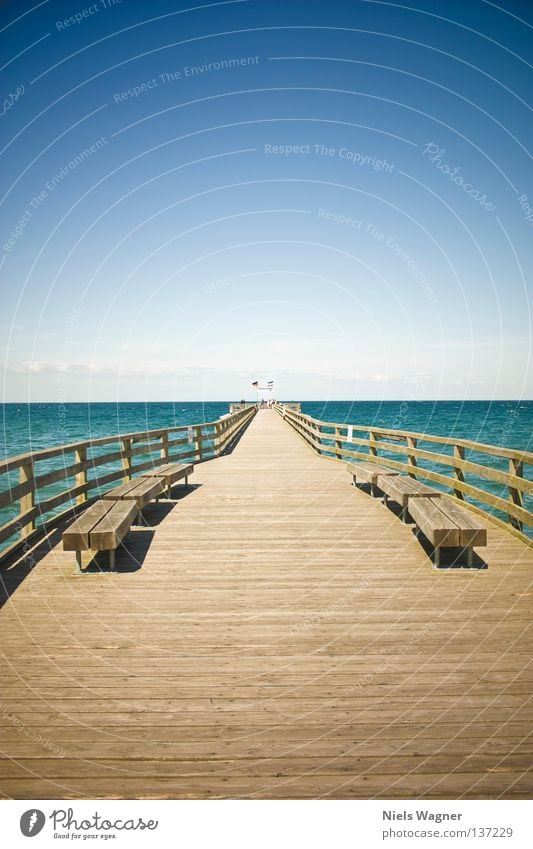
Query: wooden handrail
[
  {"x": 396, "y": 435},
  {"x": 28, "y": 502},
  {"x": 453, "y": 469}
]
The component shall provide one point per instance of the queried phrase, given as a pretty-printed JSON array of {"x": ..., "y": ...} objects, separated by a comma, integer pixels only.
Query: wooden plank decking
[{"x": 281, "y": 635}]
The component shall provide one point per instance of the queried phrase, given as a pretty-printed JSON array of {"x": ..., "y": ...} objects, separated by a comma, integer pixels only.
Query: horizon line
[{"x": 289, "y": 401}]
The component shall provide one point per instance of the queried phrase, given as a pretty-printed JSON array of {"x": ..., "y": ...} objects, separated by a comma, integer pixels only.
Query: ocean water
[
  {"x": 508, "y": 424},
  {"x": 31, "y": 427}
]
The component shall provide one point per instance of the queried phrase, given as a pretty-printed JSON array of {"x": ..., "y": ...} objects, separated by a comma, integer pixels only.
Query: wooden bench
[
  {"x": 139, "y": 490},
  {"x": 102, "y": 527},
  {"x": 368, "y": 473},
  {"x": 171, "y": 473},
  {"x": 446, "y": 524},
  {"x": 403, "y": 488}
]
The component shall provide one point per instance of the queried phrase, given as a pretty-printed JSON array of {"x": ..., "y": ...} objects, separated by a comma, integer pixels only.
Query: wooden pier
[{"x": 276, "y": 633}]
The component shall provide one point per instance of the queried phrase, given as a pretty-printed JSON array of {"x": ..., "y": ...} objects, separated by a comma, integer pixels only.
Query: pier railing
[
  {"x": 33, "y": 498},
  {"x": 495, "y": 481}
]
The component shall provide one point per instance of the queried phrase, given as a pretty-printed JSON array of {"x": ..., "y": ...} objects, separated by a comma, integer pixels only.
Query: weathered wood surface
[
  {"x": 111, "y": 530},
  {"x": 101, "y": 527},
  {"x": 433, "y": 523},
  {"x": 368, "y": 472},
  {"x": 278, "y": 633},
  {"x": 445, "y": 524},
  {"x": 140, "y": 490},
  {"x": 76, "y": 537},
  {"x": 401, "y": 488},
  {"x": 171, "y": 473}
]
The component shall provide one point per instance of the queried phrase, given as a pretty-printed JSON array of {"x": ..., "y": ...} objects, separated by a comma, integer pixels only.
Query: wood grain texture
[
  {"x": 368, "y": 472},
  {"x": 435, "y": 524},
  {"x": 276, "y": 633},
  {"x": 77, "y": 536},
  {"x": 401, "y": 488},
  {"x": 113, "y": 527},
  {"x": 171, "y": 473},
  {"x": 141, "y": 490}
]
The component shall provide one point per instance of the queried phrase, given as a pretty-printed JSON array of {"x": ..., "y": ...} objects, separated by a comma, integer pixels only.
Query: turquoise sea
[{"x": 31, "y": 427}]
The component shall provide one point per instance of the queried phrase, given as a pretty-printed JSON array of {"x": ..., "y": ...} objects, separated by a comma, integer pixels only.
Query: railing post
[
  {"x": 165, "y": 447},
  {"x": 81, "y": 476},
  {"x": 319, "y": 437},
  {"x": 223, "y": 435},
  {"x": 338, "y": 443},
  {"x": 371, "y": 448},
  {"x": 459, "y": 454},
  {"x": 127, "y": 464},
  {"x": 198, "y": 444},
  {"x": 411, "y": 458},
  {"x": 27, "y": 502},
  {"x": 216, "y": 439},
  {"x": 516, "y": 496}
]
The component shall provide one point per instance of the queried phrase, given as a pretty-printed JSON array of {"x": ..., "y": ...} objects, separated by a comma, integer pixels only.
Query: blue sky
[{"x": 336, "y": 196}]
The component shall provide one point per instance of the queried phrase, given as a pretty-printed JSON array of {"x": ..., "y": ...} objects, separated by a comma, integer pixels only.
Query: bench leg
[
  {"x": 141, "y": 520},
  {"x": 112, "y": 553},
  {"x": 372, "y": 488},
  {"x": 470, "y": 556},
  {"x": 403, "y": 514},
  {"x": 78, "y": 561},
  {"x": 186, "y": 480},
  {"x": 436, "y": 557}
]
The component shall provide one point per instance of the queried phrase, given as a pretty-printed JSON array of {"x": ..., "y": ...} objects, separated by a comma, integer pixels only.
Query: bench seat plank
[
  {"x": 76, "y": 536},
  {"x": 113, "y": 527},
  {"x": 174, "y": 470},
  {"x": 140, "y": 490},
  {"x": 368, "y": 472},
  {"x": 471, "y": 532},
  {"x": 439, "y": 529},
  {"x": 170, "y": 473},
  {"x": 402, "y": 488},
  {"x": 446, "y": 524}
]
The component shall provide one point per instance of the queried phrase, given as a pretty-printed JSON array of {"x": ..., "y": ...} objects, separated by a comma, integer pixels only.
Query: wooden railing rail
[
  {"x": 451, "y": 468},
  {"x": 30, "y": 506}
]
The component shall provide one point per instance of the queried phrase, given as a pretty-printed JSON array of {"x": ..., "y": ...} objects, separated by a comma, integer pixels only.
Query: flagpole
[{"x": 268, "y": 388}]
